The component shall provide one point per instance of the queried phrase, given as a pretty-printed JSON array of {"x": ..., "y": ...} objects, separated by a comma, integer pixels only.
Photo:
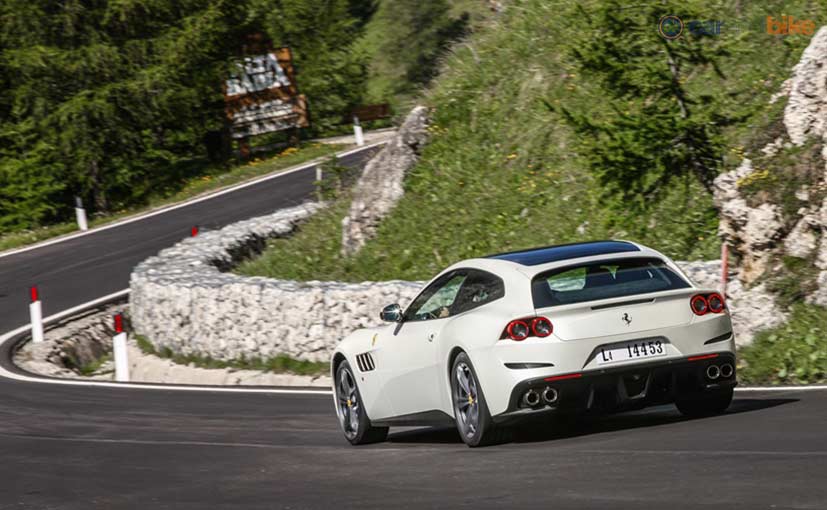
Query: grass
[
  {"x": 387, "y": 82},
  {"x": 217, "y": 179},
  {"x": 794, "y": 353},
  {"x": 777, "y": 178},
  {"x": 91, "y": 368},
  {"x": 280, "y": 364},
  {"x": 797, "y": 280}
]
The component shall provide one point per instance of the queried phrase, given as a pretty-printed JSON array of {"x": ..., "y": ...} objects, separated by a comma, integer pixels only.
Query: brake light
[
  {"x": 703, "y": 304},
  {"x": 520, "y": 329},
  {"x": 563, "y": 377},
  {"x": 517, "y": 330},
  {"x": 541, "y": 327},
  {"x": 716, "y": 302},
  {"x": 699, "y": 305},
  {"x": 705, "y": 356}
]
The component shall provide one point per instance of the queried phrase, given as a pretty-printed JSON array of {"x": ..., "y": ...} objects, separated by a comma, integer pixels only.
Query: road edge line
[{"x": 194, "y": 200}]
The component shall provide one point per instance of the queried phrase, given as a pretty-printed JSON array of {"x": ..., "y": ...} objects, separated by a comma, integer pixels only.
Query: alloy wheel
[
  {"x": 466, "y": 399},
  {"x": 348, "y": 400}
]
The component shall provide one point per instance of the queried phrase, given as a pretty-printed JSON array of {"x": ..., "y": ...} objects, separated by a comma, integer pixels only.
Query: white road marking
[
  {"x": 721, "y": 453},
  {"x": 147, "y": 442},
  {"x": 783, "y": 388},
  {"x": 165, "y": 209}
]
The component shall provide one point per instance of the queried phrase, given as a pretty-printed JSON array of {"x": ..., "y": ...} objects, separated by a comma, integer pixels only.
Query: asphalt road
[
  {"x": 85, "y": 268},
  {"x": 67, "y": 447},
  {"x": 110, "y": 448}
]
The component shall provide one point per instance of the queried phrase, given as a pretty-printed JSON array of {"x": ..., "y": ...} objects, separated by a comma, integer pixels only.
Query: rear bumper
[{"x": 621, "y": 388}]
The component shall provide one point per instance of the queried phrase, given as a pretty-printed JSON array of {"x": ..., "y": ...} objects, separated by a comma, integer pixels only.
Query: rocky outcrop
[
  {"x": 181, "y": 300},
  {"x": 752, "y": 309},
  {"x": 759, "y": 233},
  {"x": 806, "y": 113},
  {"x": 380, "y": 186}
]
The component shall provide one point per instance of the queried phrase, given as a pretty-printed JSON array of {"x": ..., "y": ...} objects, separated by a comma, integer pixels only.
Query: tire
[
  {"x": 704, "y": 404},
  {"x": 474, "y": 422},
  {"x": 350, "y": 410}
]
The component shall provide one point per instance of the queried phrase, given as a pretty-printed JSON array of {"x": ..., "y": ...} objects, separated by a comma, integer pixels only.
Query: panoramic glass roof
[{"x": 536, "y": 256}]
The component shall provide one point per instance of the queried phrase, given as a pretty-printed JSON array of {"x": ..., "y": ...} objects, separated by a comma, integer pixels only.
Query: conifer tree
[{"x": 654, "y": 124}]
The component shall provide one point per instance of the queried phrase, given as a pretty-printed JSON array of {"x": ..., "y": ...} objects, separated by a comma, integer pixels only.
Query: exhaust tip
[
  {"x": 713, "y": 372},
  {"x": 550, "y": 395},
  {"x": 531, "y": 398},
  {"x": 726, "y": 370}
]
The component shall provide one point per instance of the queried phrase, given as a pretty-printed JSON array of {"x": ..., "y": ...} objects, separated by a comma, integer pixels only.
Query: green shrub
[{"x": 794, "y": 353}]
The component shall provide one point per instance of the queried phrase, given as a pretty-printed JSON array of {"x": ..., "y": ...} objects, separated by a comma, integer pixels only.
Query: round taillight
[
  {"x": 517, "y": 330},
  {"x": 541, "y": 327},
  {"x": 699, "y": 305},
  {"x": 716, "y": 303}
]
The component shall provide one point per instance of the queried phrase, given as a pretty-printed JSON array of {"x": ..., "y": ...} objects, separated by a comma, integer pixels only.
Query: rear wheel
[
  {"x": 474, "y": 422},
  {"x": 705, "y": 404},
  {"x": 351, "y": 410}
]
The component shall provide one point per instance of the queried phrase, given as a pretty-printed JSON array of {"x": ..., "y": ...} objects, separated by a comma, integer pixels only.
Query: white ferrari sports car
[{"x": 589, "y": 327}]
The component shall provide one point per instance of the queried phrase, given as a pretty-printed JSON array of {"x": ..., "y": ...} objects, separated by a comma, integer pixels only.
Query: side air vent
[{"x": 365, "y": 362}]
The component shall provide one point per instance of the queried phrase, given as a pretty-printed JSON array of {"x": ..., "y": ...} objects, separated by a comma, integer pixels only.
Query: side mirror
[{"x": 391, "y": 313}]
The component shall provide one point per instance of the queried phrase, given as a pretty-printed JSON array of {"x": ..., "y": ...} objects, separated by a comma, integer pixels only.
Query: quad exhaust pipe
[
  {"x": 550, "y": 395},
  {"x": 714, "y": 371},
  {"x": 531, "y": 398},
  {"x": 726, "y": 370}
]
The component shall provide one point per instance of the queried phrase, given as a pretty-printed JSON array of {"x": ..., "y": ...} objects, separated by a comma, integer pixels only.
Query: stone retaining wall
[{"x": 183, "y": 301}]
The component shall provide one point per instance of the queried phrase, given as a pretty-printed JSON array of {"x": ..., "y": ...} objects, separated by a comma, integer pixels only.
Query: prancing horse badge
[{"x": 627, "y": 318}]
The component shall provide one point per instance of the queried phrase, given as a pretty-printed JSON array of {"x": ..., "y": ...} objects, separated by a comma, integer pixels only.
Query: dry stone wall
[{"x": 181, "y": 299}]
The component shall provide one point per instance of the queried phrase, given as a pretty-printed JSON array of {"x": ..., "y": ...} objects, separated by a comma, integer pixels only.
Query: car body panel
[{"x": 413, "y": 359}]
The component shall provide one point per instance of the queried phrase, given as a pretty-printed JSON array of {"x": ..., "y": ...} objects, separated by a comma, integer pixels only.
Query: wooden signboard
[{"x": 262, "y": 96}]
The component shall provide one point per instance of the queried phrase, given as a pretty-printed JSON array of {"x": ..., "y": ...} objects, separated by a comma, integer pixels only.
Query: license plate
[{"x": 639, "y": 349}]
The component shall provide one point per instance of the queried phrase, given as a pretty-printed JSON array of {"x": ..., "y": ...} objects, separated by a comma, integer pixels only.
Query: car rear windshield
[{"x": 603, "y": 280}]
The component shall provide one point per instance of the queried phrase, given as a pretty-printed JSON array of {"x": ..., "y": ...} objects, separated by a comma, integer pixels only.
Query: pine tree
[
  {"x": 651, "y": 127},
  {"x": 112, "y": 100}
]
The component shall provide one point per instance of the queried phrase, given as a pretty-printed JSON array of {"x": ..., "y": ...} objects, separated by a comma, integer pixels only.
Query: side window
[
  {"x": 478, "y": 289},
  {"x": 435, "y": 301}
]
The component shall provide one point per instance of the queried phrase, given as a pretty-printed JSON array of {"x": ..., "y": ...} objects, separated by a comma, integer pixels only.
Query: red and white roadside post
[
  {"x": 80, "y": 214},
  {"x": 119, "y": 351},
  {"x": 357, "y": 132},
  {"x": 724, "y": 268},
  {"x": 36, "y": 314}
]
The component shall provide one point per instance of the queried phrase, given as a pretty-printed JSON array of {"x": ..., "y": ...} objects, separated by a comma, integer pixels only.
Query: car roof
[
  {"x": 552, "y": 257},
  {"x": 546, "y": 254}
]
